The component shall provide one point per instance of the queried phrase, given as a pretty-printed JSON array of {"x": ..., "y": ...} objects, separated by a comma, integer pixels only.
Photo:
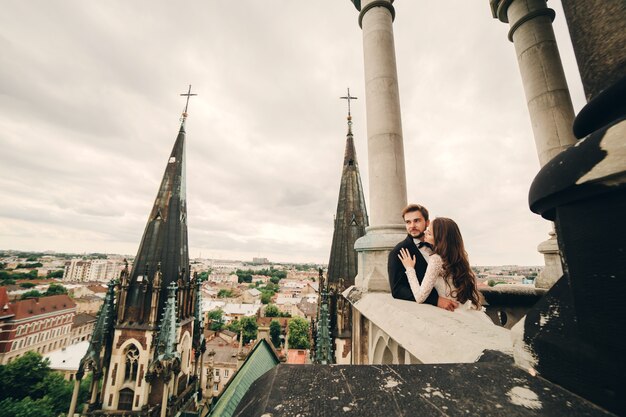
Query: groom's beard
[{"x": 420, "y": 236}]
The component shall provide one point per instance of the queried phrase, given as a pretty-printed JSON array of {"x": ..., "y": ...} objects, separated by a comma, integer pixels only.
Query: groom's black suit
[{"x": 397, "y": 276}]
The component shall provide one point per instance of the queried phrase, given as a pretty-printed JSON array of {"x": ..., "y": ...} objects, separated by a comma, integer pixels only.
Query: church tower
[
  {"x": 350, "y": 223},
  {"x": 146, "y": 360}
]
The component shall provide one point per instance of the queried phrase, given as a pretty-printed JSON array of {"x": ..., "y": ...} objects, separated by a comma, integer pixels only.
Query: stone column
[
  {"x": 70, "y": 413},
  {"x": 547, "y": 95},
  {"x": 387, "y": 178},
  {"x": 166, "y": 394}
]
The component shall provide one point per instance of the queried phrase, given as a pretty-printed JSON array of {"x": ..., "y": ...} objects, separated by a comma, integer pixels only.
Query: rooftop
[
  {"x": 41, "y": 305},
  {"x": 68, "y": 359}
]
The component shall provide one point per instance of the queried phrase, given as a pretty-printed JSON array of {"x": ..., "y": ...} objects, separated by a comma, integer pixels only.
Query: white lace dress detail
[
  {"x": 434, "y": 278},
  {"x": 434, "y": 273}
]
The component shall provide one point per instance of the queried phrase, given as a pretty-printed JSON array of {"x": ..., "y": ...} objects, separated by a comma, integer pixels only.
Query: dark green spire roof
[{"x": 164, "y": 241}]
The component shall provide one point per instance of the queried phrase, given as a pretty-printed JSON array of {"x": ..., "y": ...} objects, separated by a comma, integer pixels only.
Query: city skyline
[{"x": 90, "y": 110}]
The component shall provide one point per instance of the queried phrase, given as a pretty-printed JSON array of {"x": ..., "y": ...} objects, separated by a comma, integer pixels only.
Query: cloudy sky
[{"x": 90, "y": 107}]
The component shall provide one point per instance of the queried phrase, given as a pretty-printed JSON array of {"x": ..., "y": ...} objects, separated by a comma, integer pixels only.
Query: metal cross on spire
[
  {"x": 187, "y": 94},
  {"x": 348, "y": 97}
]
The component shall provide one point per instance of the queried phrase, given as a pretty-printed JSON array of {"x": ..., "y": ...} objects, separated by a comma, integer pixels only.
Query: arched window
[{"x": 132, "y": 364}]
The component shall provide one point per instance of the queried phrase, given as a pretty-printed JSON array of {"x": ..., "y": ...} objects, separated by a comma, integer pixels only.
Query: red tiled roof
[{"x": 41, "y": 305}]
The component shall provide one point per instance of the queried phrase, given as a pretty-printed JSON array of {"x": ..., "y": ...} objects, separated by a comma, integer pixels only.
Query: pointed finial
[
  {"x": 187, "y": 94},
  {"x": 349, "y": 97}
]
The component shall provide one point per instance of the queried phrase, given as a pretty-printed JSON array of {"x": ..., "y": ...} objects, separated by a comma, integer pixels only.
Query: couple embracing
[{"x": 431, "y": 266}]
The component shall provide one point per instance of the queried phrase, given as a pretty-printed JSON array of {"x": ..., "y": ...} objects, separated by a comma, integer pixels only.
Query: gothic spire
[
  {"x": 350, "y": 223},
  {"x": 164, "y": 240},
  {"x": 351, "y": 216}
]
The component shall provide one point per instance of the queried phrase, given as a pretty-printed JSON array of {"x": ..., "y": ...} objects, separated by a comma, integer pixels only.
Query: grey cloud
[{"x": 89, "y": 110}]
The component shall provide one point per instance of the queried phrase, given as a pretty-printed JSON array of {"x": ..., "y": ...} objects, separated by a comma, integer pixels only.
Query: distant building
[
  {"x": 89, "y": 304},
  {"x": 260, "y": 261},
  {"x": 232, "y": 311},
  {"x": 251, "y": 296},
  {"x": 41, "y": 324},
  {"x": 78, "y": 270},
  {"x": 226, "y": 266},
  {"x": 224, "y": 278},
  {"x": 219, "y": 364},
  {"x": 298, "y": 356},
  {"x": 289, "y": 305},
  {"x": 82, "y": 328}
]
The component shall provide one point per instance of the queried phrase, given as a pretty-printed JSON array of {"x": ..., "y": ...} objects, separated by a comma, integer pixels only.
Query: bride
[{"x": 448, "y": 269}]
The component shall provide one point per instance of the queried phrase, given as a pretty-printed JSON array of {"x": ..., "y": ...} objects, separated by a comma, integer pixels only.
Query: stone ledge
[{"x": 430, "y": 334}]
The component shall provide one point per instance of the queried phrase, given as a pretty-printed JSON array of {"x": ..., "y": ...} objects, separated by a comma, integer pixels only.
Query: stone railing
[
  {"x": 390, "y": 331},
  {"x": 507, "y": 304}
]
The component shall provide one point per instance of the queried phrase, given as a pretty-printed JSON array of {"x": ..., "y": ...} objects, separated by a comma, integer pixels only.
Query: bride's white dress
[{"x": 434, "y": 278}]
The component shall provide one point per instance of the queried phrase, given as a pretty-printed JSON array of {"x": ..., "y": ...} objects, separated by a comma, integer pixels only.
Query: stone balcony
[{"x": 391, "y": 331}]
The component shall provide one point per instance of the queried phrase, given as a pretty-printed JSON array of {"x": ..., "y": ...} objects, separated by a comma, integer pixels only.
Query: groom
[{"x": 416, "y": 221}]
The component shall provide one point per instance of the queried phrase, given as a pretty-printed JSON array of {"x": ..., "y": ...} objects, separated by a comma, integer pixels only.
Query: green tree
[
  {"x": 31, "y": 259},
  {"x": 234, "y": 326},
  {"x": 7, "y": 282},
  {"x": 22, "y": 375},
  {"x": 216, "y": 319},
  {"x": 249, "y": 327},
  {"x": 55, "y": 274},
  {"x": 299, "y": 333},
  {"x": 31, "y": 294},
  {"x": 224, "y": 293},
  {"x": 55, "y": 289},
  {"x": 30, "y": 265},
  {"x": 56, "y": 390},
  {"x": 35, "y": 390},
  {"x": 26, "y": 407},
  {"x": 272, "y": 311},
  {"x": 274, "y": 280},
  {"x": 266, "y": 297},
  {"x": 27, "y": 285},
  {"x": 275, "y": 331}
]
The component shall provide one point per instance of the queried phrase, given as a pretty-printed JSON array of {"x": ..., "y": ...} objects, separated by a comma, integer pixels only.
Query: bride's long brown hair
[{"x": 449, "y": 245}]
